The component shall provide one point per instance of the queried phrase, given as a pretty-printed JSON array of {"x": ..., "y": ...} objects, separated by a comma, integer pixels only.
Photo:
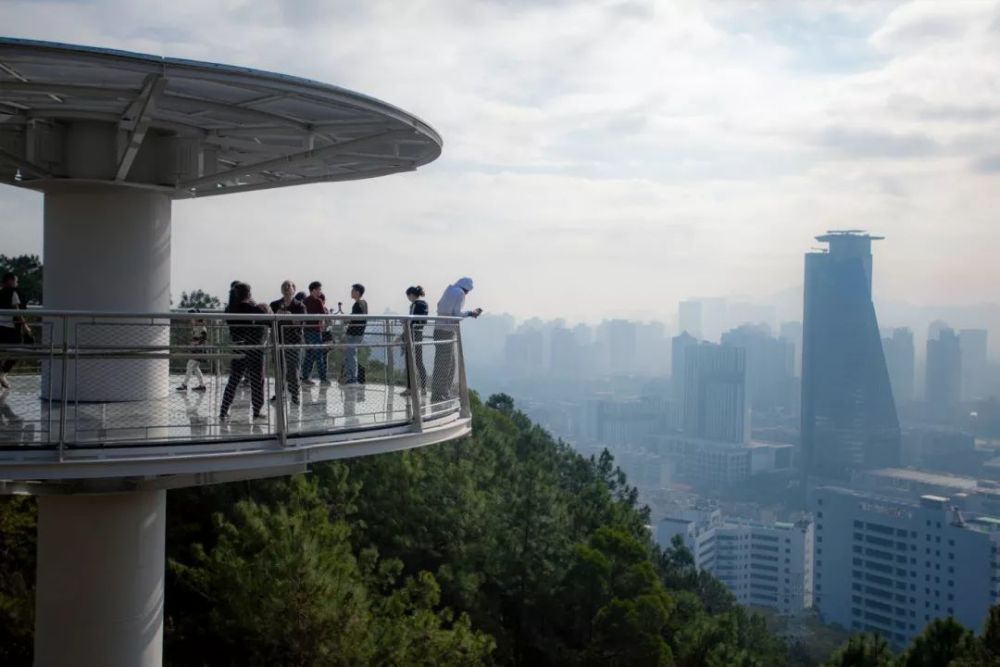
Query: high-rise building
[
  {"x": 689, "y": 318},
  {"x": 891, "y": 565},
  {"x": 975, "y": 372},
  {"x": 715, "y": 397},
  {"x": 899, "y": 359},
  {"x": 848, "y": 415},
  {"x": 770, "y": 366},
  {"x": 621, "y": 337},
  {"x": 762, "y": 564},
  {"x": 679, "y": 346},
  {"x": 792, "y": 332},
  {"x": 944, "y": 373},
  {"x": 565, "y": 355},
  {"x": 523, "y": 351}
]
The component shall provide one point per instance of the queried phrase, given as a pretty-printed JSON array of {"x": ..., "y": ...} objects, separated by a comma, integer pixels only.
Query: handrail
[
  {"x": 109, "y": 380},
  {"x": 219, "y": 315}
]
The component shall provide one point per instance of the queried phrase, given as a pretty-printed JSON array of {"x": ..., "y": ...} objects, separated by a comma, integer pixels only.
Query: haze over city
[{"x": 602, "y": 159}]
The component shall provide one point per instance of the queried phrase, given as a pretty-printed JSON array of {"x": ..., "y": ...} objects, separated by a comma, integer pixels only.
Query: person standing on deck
[
  {"x": 355, "y": 335},
  {"x": 290, "y": 334},
  {"x": 13, "y": 328},
  {"x": 199, "y": 339},
  {"x": 418, "y": 307},
  {"x": 451, "y": 304},
  {"x": 251, "y": 336},
  {"x": 315, "y": 304}
]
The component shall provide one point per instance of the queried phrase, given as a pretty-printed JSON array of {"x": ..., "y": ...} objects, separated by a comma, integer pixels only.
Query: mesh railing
[{"x": 84, "y": 380}]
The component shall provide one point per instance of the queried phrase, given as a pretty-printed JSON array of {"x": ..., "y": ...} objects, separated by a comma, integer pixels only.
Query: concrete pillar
[
  {"x": 99, "y": 596},
  {"x": 107, "y": 248}
]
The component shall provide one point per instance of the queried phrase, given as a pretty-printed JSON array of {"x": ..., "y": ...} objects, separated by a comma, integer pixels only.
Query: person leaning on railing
[
  {"x": 290, "y": 334},
  {"x": 451, "y": 304},
  {"x": 13, "y": 328},
  {"x": 253, "y": 335}
]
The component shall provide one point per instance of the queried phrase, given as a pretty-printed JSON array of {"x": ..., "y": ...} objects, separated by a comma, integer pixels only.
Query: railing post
[
  {"x": 279, "y": 383},
  {"x": 463, "y": 385},
  {"x": 63, "y": 390},
  {"x": 412, "y": 381}
]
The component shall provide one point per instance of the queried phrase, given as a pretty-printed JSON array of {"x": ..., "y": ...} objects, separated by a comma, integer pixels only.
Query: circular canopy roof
[{"x": 189, "y": 128}]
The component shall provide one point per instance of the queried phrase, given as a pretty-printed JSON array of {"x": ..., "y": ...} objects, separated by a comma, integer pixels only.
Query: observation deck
[{"x": 54, "y": 438}]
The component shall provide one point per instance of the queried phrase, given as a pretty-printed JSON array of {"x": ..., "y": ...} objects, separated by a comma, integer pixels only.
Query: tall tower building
[
  {"x": 974, "y": 368},
  {"x": 689, "y": 318},
  {"x": 944, "y": 372},
  {"x": 899, "y": 357},
  {"x": 679, "y": 346},
  {"x": 715, "y": 397},
  {"x": 770, "y": 366},
  {"x": 849, "y": 418}
]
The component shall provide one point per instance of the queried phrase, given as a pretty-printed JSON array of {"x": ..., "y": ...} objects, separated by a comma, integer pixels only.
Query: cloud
[
  {"x": 678, "y": 147},
  {"x": 877, "y": 143}
]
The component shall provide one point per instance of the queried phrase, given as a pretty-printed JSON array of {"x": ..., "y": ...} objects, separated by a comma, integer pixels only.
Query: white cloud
[{"x": 673, "y": 148}]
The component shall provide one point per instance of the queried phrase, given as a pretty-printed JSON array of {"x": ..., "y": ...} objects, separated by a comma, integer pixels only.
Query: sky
[{"x": 601, "y": 158}]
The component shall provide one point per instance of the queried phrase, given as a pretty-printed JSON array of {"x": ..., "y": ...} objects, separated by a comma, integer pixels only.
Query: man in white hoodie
[{"x": 450, "y": 305}]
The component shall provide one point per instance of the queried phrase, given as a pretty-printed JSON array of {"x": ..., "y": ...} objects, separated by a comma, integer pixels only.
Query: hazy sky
[{"x": 600, "y": 158}]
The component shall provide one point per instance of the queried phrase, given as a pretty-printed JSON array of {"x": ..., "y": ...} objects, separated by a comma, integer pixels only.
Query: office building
[
  {"x": 621, "y": 338},
  {"x": 689, "y": 318},
  {"x": 621, "y": 422},
  {"x": 715, "y": 400},
  {"x": 762, "y": 564},
  {"x": 899, "y": 359},
  {"x": 679, "y": 346},
  {"x": 770, "y": 366},
  {"x": 524, "y": 351},
  {"x": 714, "y": 463},
  {"x": 792, "y": 332},
  {"x": 944, "y": 373},
  {"x": 975, "y": 369},
  {"x": 565, "y": 354},
  {"x": 849, "y": 418},
  {"x": 891, "y": 565}
]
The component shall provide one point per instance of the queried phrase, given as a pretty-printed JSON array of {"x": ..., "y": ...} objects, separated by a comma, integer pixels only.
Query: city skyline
[{"x": 572, "y": 182}]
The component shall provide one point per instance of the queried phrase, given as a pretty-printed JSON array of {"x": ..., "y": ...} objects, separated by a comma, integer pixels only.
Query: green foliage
[
  {"x": 200, "y": 300},
  {"x": 28, "y": 269},
  {"x": 865, "y": 650},
  {"x": 17, "y": 574}
]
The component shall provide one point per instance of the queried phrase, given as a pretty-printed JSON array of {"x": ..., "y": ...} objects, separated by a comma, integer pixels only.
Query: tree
[
  {"x": 865, "y": 650},
  {"x": 943, "y": 640},
  {"x": 199, "y": 300},
  {"x": 28, "y": 269}
]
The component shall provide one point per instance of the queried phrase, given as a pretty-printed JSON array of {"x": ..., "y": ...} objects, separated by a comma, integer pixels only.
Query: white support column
[
  {"x": 107, "y": 248},
  {"x": 99, "y": 597}
]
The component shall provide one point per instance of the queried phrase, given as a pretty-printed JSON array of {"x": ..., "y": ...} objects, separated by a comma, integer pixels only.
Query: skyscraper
[
  {"x": 944, "y": 372},
  {"x": 689, "y": 318},
  {"x": 715, "y": 400},
  {"x": 974, "y": 369},
  {"x": 679, "y": 345},
  {"x": 848, "y": 415},
  {"x": 770, "y": 366},
  {"x": 899, "y": 356},
  {"x": 792, "y": 332}
]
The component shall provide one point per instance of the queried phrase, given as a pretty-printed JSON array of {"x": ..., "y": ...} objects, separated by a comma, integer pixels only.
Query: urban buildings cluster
[{"x": 822, "y": 462}]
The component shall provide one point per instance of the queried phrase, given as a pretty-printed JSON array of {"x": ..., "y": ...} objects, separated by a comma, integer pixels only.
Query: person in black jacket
[
  {"x": 355, "y": 334},
  {"x": 13, "y": 328},
  {"x": 418, "y": 307},
  {"x": 250, "y": 336}
]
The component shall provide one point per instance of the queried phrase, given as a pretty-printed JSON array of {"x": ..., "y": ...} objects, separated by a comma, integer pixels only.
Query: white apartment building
[
  {"x": 762, "y": 564},
  {"x": 890, "y": 565}
]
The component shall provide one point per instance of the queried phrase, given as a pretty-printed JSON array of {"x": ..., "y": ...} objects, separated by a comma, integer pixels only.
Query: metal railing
[{"x": 85, "y": 380}]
